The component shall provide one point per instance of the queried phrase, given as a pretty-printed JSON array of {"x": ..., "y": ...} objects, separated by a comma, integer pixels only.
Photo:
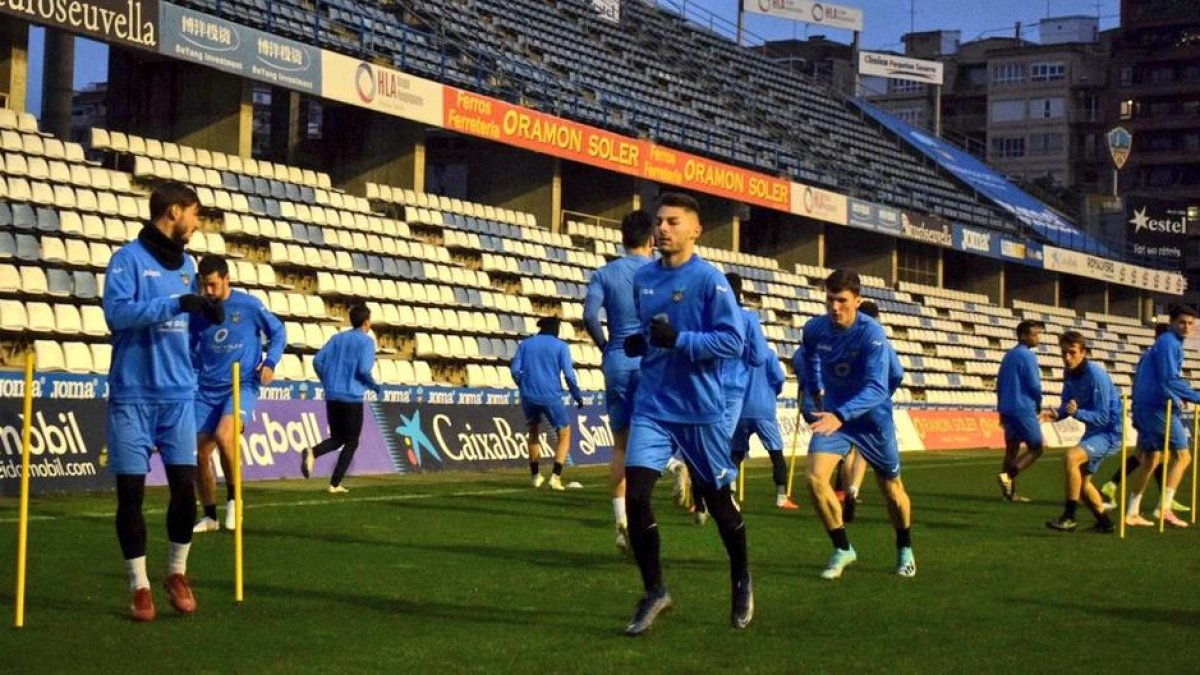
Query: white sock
[
  {"x": 781, "y": 491},
  {"x": 619, "y": 510},
  {"x": 1169, "y": 497},
  {"x": 1135, "y": 504},
  {"x": 136, "y": 567},
  {"x": 673, "y": 465},
  {"x": 177, "y": 558},
  {"x": 852, "y": 492}
]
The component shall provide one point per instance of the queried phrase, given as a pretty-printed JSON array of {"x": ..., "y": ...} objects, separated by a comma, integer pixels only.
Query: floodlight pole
[
  {"x": 741, "y": 21},
  {"x": 854, "y": 47}
]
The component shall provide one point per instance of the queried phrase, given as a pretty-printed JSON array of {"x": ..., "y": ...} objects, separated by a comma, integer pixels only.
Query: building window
[
  {"x": 905, "y": 87},
  {"x": 1007, "y": 73},
  {"x": 1127, "y": 107},
  {"x": 1162, "y": 75},
  {"x": 913, "y": 116},
  {"x": 1008, "y": 147},
  {"x": 1046, "y": 108},
  {"x": 1047, "y": 72},
  {"x": 1008, "y": 111},
  {"x": 1045, "y": 144},
  {"x": 1126, "y": 76},
  {"x": 1091, "y": 108}
]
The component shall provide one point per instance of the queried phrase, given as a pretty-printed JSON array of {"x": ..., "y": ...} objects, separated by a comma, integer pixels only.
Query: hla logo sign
[{"x": 1141, "y": 221}]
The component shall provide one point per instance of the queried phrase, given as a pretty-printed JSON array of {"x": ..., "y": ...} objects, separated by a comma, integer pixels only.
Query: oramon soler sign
[{"x": 129, "y": 23}]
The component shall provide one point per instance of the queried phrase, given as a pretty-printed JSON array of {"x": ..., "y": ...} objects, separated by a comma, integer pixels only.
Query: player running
[
  {"x": 1019, "y": 392},
  {"x": 759, "y": 416},
  {"x": 149, "y": 300},
  {"x": 850, "y": 351},
  {"x": 538, "y": 368},
  {"x": 1159, "y": 379},
  {"x": 1089, "y": 396},
  {"x": 215, "y": 348},
  {"x": 689, "y": 322},
  {"x": 611, "y": 289}
]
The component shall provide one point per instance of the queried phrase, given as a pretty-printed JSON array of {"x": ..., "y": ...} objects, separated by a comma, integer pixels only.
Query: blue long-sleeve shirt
[
  {"x": 895, "y": 370},
  {"x": 1019, "y": 383},
  {"x": 683, "y": 385},
  {"x": 151, "y": 358},
  {"x": 735, "y": 373},
  {"x": 611, "y": 289},
  {"x": 344, "y": 366},
  {"x": 1097, "y": 397},
  {"x": 239, "y": 338},
  {"x": 1160, "y": 376},
  {"x": 541, "y": 362},
  {"x": 852, "y": 364},
  {"x": 807, "y": 404},
  {"x": 765, "y": 385}
]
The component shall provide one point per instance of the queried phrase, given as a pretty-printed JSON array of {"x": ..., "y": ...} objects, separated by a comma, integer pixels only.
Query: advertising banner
[
  {"x": 67, "y": 446},
  {"x": 957, "y": 429},
  {"x": 716, "y": 178},
  {"x": 1022, "y": 251},
  {"x": 1158, "y": 228},
  {"x": 900, "y": 67},
  {"x": 974, "y": 240},
  {"x": 813, "y": 202},
  {"x": 609, "y": 10},
  {"x": 926, "y": 228},
  {"x": 127, "y": 23},
  {"x": 236, "y": 49},
  {"x": 379, "y": 88},
  {"x": 1093, "y": 267},
  {"x": 818, "y": 13},
  {"x": 875, "y": 217}
]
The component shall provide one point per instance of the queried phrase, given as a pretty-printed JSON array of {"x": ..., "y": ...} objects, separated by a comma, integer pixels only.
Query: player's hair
[
  {"x": 735, "y": 285},
  {"x": 869, "y": 308},
  {"x": 214, "y": 263},
  {"x": 1160, "y": 328},
  {"x": 359, "y": 314},
  {"x": 1027, "y": 326},
  {"x": 679, "y": 200},
  {"x": 1182, "y": 310},
  {"x": 637, "y": 228},
  {"x": 843, "y": 280},
  {"x": 170, "y": 194},
  {"x": 1073, "y": 337},
  {"x": 548, "y": 325}
]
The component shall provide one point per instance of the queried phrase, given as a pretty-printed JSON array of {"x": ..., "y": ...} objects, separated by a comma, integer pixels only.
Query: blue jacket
[
  {"x": 344, "y": 366},
  {"x": 538, "y": 367},
  {"x": 853, "y": 364},
  {"x": 1097, "y": 397},
  {"x": 895, "y": 370},
  {"x": 766, "y": 383},
  {"x": 1019, "y": 383},
  {"x": 1160, "y": 375},
  {"x": 215, "y": 347},
  {"x": 151, "y": 358},
  {"x": 611, "y": 289},
  {"x": 735, "y": 373},
  {"x": 683, "y": 385},
  {"x": 807, "y": 405}
]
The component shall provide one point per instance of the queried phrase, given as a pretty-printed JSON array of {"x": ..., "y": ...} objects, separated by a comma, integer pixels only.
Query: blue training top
[
  {"x": 765, "y": 384},
  {"x": 611, "y": 289},
  {"x": 1160, "y": 375},
  {"x": 538, "y": 367},
  {"x": 344, "y": 366},
  {"x": 1097, "y": 397},
  {"x": 215, "y": 347},
  {"x": 1019, "y": 383},
  {"x": 735, "y": 373},
  {"x": 853, "y": 366},
  {"x": 683, "y": 385},
  {"x": 151, "y": 357}
]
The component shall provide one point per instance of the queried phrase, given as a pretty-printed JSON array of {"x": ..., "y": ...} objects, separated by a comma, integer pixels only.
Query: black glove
[
  {"x": 635, "y": 345},
  {"x": 215, "y": 312},
  {"x": 193, "y": 304},
  {"x": 662, "y": 333},
  {"x": 579, "y": 403}
]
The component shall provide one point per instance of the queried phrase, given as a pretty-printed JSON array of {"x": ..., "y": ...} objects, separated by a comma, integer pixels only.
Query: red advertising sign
[{"x": 958, "y": 429}]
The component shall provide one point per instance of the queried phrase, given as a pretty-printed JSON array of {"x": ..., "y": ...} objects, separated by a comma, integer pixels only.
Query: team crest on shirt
[
  {"x": 235, "y": 317},
  {"x": 677, "y": 295},
  {"x": 186, "y": 279}
]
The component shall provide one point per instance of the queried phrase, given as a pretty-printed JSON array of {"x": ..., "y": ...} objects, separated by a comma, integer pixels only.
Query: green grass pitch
[{"x": 479, "y": 573}]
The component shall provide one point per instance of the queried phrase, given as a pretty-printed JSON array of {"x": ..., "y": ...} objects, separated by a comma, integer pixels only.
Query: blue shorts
[
  {"x": 732, "y": 414},
  {"x": 767, "y": 430},
  {"x": 878, "y": 447},
  {"x": 703, "y": 447},
  {"x": 620, "y": 386},
  {"x": 211, "y": 407},
  {"x": 555, "y": 413},
  {"x": 1150, "y": 426},
  {"x": 1025, "y": 429},
  {"x": 137, "y": 429},
  {"x": 1098, "y": 448}
]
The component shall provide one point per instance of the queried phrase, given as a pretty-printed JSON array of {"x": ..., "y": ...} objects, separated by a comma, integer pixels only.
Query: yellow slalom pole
[
  {"x": 1124, "y": 477},
  {"x": 1162, "y": 494},
  {"x": 1195, "y": 451},
  {"x": 237, "y": 481},
  {"x": 23, "y": 517},
  {"x": 795, "y": 444},
  {"x": 742, "y": 481}
]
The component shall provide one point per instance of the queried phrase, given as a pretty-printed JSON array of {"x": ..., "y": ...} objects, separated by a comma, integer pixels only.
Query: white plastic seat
[
  {"x": 101, "y": 357},
  {"x": 49, "y": 356},
  {"x": 92, "y": 321}
]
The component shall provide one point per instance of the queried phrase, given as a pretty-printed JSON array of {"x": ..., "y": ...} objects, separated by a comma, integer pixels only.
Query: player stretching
[
  {"x": 215, "y": 348},
  {"x": 344, "y": 367},
  {"x": 759, "y": 417},
  {"x": 1159, "y": 379},
  {"x": 689, "y": 322},
  {"x": 1019, "y": 391},
  {"x": 149, "y": 299},
  {"x": 850, "y": 351},
  {"x": 611, "y": 289},
  {"x": 538, "y": 368},
  {"x": 1089, "y": 396}
]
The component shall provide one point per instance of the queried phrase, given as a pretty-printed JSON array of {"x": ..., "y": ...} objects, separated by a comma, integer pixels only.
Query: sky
[{"x": 886, "y": 21}]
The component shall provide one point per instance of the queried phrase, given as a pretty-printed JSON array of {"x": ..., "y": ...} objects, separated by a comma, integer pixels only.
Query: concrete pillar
[
  {"x": 286, "y": 131},
  {"x": 14, "y": 62},
  {"x": 860, "y": 250},
  {"x": 1029, "y": 284},
  {"x": 58, "y": 83},
  {"x": 536, "y": 188},
  {"x": 601, "y": 194},
  {"x": 974, "y": 274},
  {"x": 1148, "y": 308}
]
